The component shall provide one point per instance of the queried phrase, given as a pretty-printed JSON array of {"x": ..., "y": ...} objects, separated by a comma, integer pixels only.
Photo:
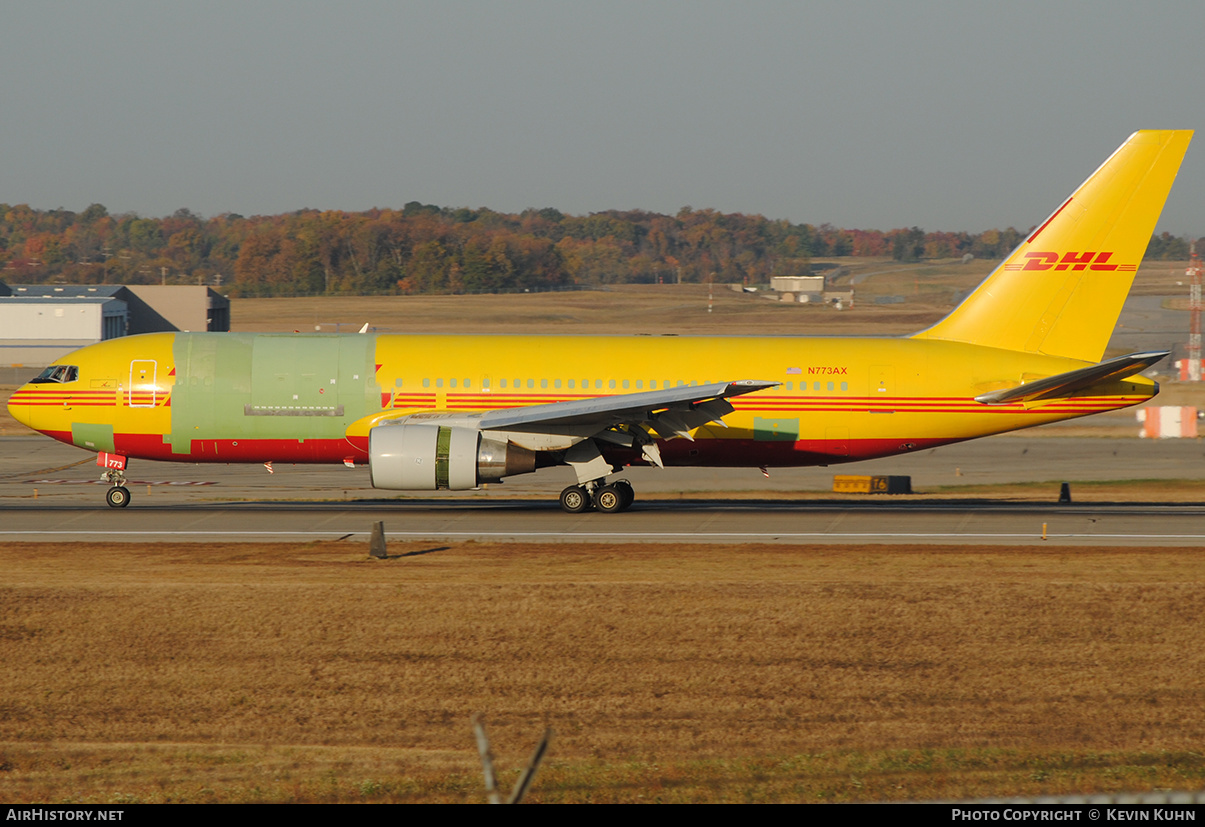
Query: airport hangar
[{"x": 43, "y": 322}]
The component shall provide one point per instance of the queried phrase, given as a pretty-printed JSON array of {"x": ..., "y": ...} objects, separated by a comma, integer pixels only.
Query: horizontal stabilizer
[{"x": 1066, "y": 383}]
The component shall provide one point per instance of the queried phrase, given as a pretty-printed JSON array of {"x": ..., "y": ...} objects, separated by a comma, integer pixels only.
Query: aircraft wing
[
  {"x": 1063, "y": 384},
  {"x": 671, "y": 412}
]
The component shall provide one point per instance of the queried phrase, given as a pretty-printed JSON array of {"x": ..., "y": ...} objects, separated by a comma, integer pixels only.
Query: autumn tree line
[{"x": 428, "y": 249}]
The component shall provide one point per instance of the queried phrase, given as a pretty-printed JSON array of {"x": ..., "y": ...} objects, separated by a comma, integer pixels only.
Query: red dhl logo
[{"x": 1089, "y": 260}]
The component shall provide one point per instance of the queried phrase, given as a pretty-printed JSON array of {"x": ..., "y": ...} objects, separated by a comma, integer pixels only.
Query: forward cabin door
[{"x": 141, "y": 390}]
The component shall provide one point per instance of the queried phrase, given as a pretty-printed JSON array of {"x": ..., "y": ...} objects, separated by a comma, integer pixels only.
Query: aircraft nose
[{"x": 19, "y": 407}]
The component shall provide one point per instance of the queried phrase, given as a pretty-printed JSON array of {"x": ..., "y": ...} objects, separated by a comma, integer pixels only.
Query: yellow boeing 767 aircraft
[{"x": 430, "y": 412}]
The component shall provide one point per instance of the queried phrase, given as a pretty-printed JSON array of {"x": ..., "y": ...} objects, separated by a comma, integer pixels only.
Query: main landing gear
[
  {"x": 606, "y": 497},
  {"x": 118, "y": 496}
]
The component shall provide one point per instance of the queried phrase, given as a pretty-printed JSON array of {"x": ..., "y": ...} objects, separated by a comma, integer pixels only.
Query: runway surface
[
  {"x": 696, "y": 521},
  {"x": 44, "y": 497}
]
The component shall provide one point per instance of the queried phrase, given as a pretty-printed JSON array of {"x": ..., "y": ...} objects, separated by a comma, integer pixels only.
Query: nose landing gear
[{"x": 118, "y": 496}]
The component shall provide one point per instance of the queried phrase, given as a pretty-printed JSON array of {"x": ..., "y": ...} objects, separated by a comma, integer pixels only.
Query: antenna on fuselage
[{"x": 364, "y": 329}]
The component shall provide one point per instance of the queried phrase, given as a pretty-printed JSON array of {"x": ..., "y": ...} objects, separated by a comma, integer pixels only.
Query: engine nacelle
[{"x": 429, "y": 457}]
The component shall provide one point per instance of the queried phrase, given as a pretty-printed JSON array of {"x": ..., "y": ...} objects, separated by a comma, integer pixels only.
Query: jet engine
[{"x": 428, "y": 457}]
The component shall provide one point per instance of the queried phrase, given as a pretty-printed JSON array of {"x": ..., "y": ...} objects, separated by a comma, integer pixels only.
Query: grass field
[
  {"x": 651, "y": 309},
  {"x": 705, "y": 673},
  {"x": 929, "y": 290}
]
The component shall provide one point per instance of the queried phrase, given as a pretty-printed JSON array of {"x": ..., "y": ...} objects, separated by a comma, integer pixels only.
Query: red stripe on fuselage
[{"x": 722, "y": 453}]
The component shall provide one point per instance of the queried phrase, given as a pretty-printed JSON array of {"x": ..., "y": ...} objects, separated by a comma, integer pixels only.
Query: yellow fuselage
[{"x": 224, "y": 397}]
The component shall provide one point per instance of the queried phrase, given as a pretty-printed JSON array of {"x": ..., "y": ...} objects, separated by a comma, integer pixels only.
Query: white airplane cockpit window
[{"x": 56, "y": 373}]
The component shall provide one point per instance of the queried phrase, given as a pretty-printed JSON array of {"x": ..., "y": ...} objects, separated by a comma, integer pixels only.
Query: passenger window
[
  {"x": 571, "y": 385},
  {"x": 531, "y": 383},
  {"x": 556, "y": 383},
  {"x": 468, "y": 383},
  {"x": 830, "y": 386},
  {"x": 451, "y": 383},
  {"x": 625, "y": 384},
  {"x": 426, "y": 383},
  {"x": 439, "y": 383},
  {"x": 611, "y": 384},
  {"x": 844, "y": 386},
  {"x": 598, "y": 384}
]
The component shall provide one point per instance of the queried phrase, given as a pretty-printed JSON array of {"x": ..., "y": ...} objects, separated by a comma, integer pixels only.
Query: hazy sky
[{"x": 944, "y": 115}]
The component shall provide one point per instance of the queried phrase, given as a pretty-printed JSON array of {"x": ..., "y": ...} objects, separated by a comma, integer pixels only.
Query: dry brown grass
[
  {"x": 680, "y": 309},
  {"x": 929, "y": 290},
  {"x": 712, "y": 673},
  {"x": 1161, "y": 278}
]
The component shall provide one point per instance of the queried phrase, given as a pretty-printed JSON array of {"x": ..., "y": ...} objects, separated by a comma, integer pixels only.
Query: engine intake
[{"x": 430, "y": 457}]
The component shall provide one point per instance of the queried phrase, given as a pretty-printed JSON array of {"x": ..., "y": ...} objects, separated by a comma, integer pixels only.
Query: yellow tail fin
[{"x": 1061, "y": 291}]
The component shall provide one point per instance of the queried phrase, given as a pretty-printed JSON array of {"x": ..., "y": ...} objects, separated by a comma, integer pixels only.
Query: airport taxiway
[{"x": 45, "y": 496}]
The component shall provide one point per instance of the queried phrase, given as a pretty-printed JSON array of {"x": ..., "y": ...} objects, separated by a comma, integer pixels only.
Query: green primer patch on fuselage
[
  {"x": 775, "y": 430},
  {"x": 232, "y": 386},
  {"x": 92, "y": 437}
]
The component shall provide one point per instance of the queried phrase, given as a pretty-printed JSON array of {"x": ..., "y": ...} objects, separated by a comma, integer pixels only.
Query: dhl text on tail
[{"x": 454, "y": 411}]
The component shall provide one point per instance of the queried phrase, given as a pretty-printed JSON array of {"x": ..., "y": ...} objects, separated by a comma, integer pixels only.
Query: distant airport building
[
  {"x": 809, "y": 289},
  {"x": 41, "y": 322},
  {"x": 799, "y": 285}
]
